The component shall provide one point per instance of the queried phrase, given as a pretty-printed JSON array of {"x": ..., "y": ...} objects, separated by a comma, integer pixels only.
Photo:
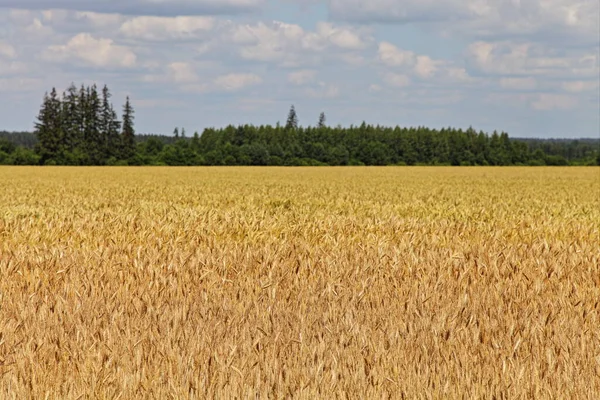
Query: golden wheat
[{"x": 299, "y": 283}]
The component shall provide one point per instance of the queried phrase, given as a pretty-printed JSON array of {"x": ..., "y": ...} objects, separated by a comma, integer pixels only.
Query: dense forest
[{"x": 81, "y": 127}]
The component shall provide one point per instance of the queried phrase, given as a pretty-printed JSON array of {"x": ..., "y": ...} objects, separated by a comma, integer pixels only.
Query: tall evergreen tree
[
  {"x": 72, "y": 119},
  {"x": 322, "y": 120},
  {"x": 128, "y": 131},
  {"x": 48, "y": 129},
  {"x": 109, "y": 126},
  {"x": 292, "y": 120},
  {"x": 94, "y": 140}
]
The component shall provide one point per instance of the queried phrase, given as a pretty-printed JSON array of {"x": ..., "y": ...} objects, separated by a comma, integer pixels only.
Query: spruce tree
[
  {"x": 292, "y": 120},
  {"x": 195, "y": 144},
  {"x": 42, "y": 130},
  {"x": 48, "y": 129},
  {"x": 109, "y": 126},
  {"x": 128, "y": 132},
  {"x": 322, "y": 120},
  {"x": 72, "y": 119},
  {"x": 94, "y": 144}
]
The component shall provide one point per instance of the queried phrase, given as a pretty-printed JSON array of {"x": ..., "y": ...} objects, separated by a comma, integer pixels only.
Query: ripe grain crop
[{"x": 299, "y": 283}]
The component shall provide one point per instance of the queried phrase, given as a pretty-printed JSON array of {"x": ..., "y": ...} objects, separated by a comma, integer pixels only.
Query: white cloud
[
  {"x": 142, "y": 7},
  {"x": 236, "y": 81},
  {"x": 323, "y": 91},
  {"x": 7, "y": 50},
  {"x": 12, "y": 68},
  {"x": 341, "y": 37},
  {"x": 422, "y": 66},
  {"x": 99, "y": 20},
  {"x": 580, "y": 86},
  {"x": 566, "y": 18},
  {"x": 508, "y": 58},
  {"x": 292, "y": 46},
  {"x": 165, "y": 29},
  {"x": 552, "y": 101},
  {"x": 518, "y": 83},
  {"x": 82, "y": 19},
  {"x": 96, "y": 52},
  {"x": 19, "y": 85},
  {"x": 397, "y": 80},
  {"x": 426, "y": 66},
  {"x": 302, "y": 77},
  {"x": 392, "y": 56},
  {"x": 181, "y": 72}
]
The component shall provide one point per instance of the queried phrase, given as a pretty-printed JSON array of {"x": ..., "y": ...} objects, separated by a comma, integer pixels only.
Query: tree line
[{"x": 81, "y": 128}]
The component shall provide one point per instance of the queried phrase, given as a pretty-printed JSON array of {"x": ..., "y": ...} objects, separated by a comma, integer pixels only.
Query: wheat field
[{"x": 391, "y": 282}]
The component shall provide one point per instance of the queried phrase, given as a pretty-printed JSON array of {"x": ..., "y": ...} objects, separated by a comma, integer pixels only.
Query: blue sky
[{"x": 528, "y": 67}]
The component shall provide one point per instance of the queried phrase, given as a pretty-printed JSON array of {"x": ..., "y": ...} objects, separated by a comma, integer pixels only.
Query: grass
[{"x": 299, "y": 282}]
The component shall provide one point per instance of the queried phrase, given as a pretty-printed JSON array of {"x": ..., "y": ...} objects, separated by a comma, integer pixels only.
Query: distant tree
[
  {"x": 48, "y": 128},
  {"x": 94, "y": 141},
  {"x": 128, "y": 131},
  {"x": 176, "y": 133},
  {"x": 109, "y": 126},
  {"x": 72, "y": 119},
  {"x": 183, "y": 133},
  {"x": 292, "y": 120},
  {"x": 322, "y": 120},
  {"x": 195, "y": 145}
]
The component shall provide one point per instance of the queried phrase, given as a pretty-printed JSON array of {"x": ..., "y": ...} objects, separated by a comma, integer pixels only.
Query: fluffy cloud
[
  {"x": 7, "y": 50},
  {"x": 396, "y": 80},
  {"x": 422, "y": 66},
  {"x": 509, "y": 58},
  {"x": 557, "y": 18},
  {"x": 302, "y": 77},
  {"x": 167, "y": 29},
  {"x": 95, "y": 52},
  {"x": 552, "y": 101},
  {"x": 528, "y": 83},
  {"x": 392, "y": 56},
  {"x": 580, "y": 86},
  {"x": 291, "y": 45},
  {"x": 181, "y": 72},
  {"x": 145, "y": 7},
  {"x": 341, "y": 37},
  {"x": 236, "y": 81},
  {"x": 323, "y": 91}
]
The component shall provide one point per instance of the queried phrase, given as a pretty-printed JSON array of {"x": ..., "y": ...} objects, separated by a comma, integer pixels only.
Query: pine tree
[
  {"x": 48, "y": 128},
  {"x": 195, "y": 144},
  {"x": 322, "y": 120},
  {"x": 176, "y": 133},
  {"x": 94, "y": 144},
  {"x": 72, "y": 119},
  {"x": 292, "y": 120},
  {"x": 128, "y": 132},
  {"x": 109, "y": 126},
  {"x": 183, "y": 133}
]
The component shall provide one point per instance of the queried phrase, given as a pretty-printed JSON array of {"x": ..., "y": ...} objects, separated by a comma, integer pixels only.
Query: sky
[{"x": 527, "y": 67}]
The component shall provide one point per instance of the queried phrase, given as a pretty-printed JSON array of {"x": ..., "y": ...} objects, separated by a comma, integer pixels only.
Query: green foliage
[
  {"x": 81, "y": 128},
  {"x": 292, "y": 120},
  {"x": 128, "y": 132}
]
